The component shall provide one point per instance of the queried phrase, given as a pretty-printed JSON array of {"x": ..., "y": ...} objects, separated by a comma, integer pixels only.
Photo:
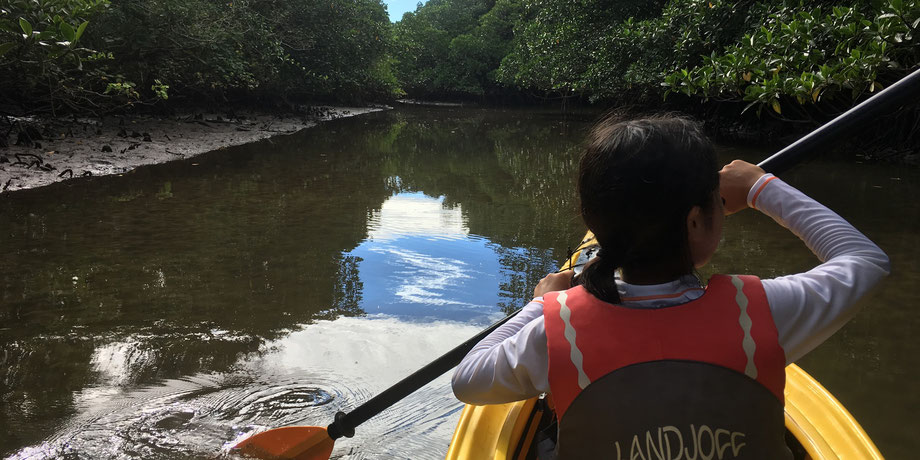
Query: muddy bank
[{"x": 43, "y": 151}]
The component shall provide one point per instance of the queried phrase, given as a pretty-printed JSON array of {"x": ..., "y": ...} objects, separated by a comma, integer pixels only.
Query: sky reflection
[{"x": 420, "y": 260}]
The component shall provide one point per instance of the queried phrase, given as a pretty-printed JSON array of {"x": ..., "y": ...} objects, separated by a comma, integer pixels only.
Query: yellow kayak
[{"x": 817, "y": 425}]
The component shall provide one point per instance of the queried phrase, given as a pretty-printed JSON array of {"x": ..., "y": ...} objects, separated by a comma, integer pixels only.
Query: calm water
[{"x": 168, "y": 312}]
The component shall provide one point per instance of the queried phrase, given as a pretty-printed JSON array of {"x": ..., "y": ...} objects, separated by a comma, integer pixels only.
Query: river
[{"x": 170, "y": 311}]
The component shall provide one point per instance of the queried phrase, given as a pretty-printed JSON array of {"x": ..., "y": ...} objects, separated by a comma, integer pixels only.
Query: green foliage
[
  {"x": 639, "y": 52},
  {"x": 160, "y": 89},
  {"x": 124, "y": 89},
  {"x": 196, "y": 45},
  {"x": 558, "y": 45},
  {"x": 795, "y": 57},
  {"x": 42, "y": 40},
  {"x": 138, "y": 50},
  {"x": 476, "y": 55},
  {"x": 802, "y": 57},
  {"x": 339, "y": 46},
  {"x": 799, "y": 58},
  {"x": 453, "y": 47}
]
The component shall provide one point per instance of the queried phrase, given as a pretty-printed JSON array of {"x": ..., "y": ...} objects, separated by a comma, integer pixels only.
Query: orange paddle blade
[{"x": 289, "y": 443}]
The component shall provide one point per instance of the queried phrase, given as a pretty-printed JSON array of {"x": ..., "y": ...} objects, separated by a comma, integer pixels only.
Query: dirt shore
[{"x": 44, "y": 151}]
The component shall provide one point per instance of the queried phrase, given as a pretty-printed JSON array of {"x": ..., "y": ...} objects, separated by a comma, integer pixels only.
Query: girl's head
[{"x": 649, "y": 192}]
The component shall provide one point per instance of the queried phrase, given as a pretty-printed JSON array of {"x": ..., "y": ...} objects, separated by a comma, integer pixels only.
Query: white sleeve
[
  {"x": 510, "y": 364},
  {"x": 809, "y": 307}
]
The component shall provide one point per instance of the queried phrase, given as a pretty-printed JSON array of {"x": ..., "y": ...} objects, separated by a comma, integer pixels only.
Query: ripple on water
[
  {"x": 327, "y": 367},
  {"x": 277, "y": 402},
  {"x": 416, "y": 428},
  {"x": 184, "y": 418}
]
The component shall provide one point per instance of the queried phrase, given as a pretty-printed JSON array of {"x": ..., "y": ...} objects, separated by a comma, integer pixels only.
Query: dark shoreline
[{"x": 41, "y": 151}]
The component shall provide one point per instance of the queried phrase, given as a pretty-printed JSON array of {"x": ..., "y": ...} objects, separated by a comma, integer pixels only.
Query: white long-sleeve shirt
[{"x": 511, "y": 363}]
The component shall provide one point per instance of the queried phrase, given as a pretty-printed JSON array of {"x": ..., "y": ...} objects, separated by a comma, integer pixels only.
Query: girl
[{"x": 640, "y": 353}]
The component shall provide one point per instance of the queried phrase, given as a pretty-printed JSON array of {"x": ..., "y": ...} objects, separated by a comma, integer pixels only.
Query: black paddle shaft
[{"x": 902, "y": 92}]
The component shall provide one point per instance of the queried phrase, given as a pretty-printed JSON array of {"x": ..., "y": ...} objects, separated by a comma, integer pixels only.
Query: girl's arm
[
  {"x": 510, "y": 364},
  {"x": 809, "y": 307}
]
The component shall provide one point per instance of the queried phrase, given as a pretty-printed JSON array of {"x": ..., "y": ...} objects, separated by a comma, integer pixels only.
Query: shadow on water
[{"x": 167, "y": 312}]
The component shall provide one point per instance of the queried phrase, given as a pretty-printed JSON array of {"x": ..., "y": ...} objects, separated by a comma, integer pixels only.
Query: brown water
[{"x": 168, "y": 312}]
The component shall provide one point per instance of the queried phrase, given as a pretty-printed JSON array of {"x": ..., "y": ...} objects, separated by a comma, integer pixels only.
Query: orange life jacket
[{"x": 706, "y": 376}]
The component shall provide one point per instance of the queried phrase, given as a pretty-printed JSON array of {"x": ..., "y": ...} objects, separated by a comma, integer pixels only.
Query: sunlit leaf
[
  {"x": 26, "y": 27},
  {"x": 776, "y": 107},
  {"x": 80, "y": 30}
]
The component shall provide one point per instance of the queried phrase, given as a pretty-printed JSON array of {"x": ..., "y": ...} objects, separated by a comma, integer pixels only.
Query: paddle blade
[{"x": 289, "y": 443}]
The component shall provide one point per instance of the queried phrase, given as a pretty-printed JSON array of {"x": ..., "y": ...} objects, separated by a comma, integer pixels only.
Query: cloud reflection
[
  {"x": 382, "y": 348},
  {"x": 420, "y": 259},
  {"x": 409, "y": 214},
  {"x": 423, "y": 278}
]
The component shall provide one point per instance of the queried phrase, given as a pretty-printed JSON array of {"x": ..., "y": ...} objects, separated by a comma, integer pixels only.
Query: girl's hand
[
  {"x": 554, "y": 282},
  {"x": 735, "y": 181}
]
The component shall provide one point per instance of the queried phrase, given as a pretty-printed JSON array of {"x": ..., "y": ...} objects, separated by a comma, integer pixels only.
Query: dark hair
[{"x": 637, "y": 181}]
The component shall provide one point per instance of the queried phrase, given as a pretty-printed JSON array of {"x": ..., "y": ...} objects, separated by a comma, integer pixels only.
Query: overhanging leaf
[
  {"x": 26, "y": 27},
  {"x": 67, "y": 31},
  {"x": 80, "y": 30}
]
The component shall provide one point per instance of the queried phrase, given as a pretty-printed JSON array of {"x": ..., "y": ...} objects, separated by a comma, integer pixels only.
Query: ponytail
[{"x": 599, "y": 276}]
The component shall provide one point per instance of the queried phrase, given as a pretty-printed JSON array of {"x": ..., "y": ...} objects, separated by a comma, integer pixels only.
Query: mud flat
[{"x": 44, "y": 151}]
